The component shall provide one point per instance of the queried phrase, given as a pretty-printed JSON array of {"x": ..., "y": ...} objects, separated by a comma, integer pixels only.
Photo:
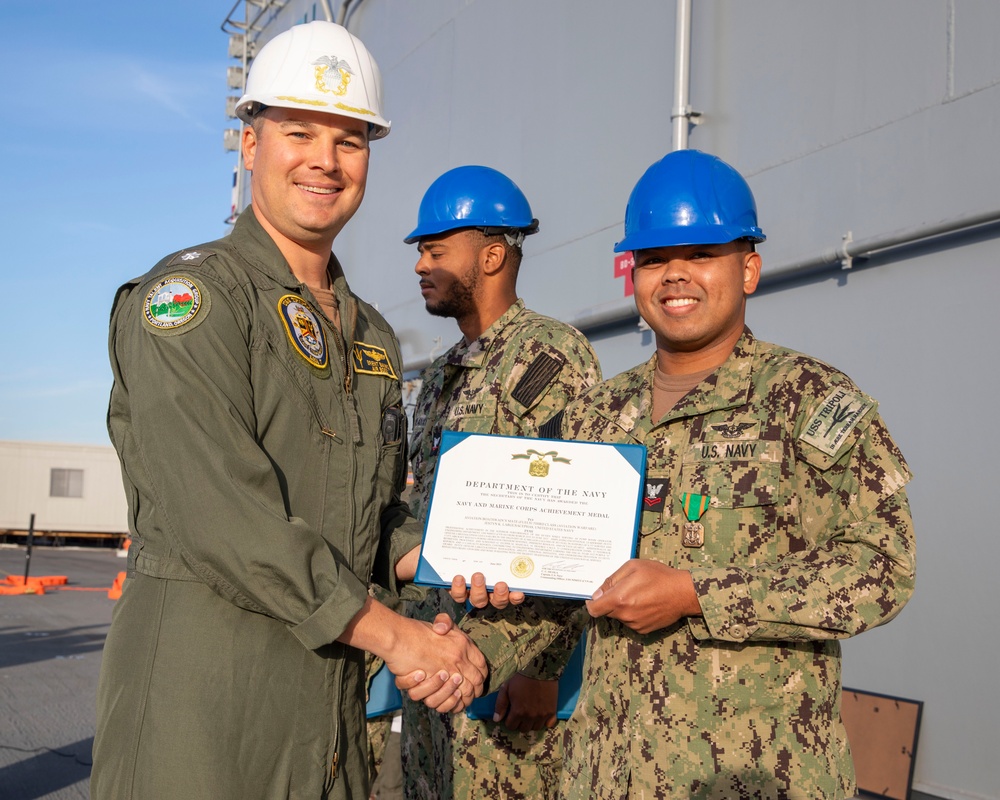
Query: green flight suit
[
  {"x": 262, "y": 454},
  {"x": 806, "y": 539}
]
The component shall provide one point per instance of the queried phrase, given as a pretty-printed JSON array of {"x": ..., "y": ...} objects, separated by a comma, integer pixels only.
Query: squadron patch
[
  {"x": 836, "y": 417},
  {"x": 173, "y": 303},
  {"x": 304, "y": 330},
  {"x": 372, "y": 360}
]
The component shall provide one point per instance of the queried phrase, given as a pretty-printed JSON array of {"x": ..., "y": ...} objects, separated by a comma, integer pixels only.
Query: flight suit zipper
[{"x": 348, "y": 324}]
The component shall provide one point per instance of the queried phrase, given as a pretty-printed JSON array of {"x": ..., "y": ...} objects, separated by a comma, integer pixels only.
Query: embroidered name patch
[
  {"x": 372, "y": 360},
  {"x": 172, "y": 303},
  {"x": 304, "y": 330},
  {"x": 835, "y": 419}
]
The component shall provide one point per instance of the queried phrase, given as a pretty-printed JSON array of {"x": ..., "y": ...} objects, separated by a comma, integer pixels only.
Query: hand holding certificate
[{"x": 547, "y": 517}]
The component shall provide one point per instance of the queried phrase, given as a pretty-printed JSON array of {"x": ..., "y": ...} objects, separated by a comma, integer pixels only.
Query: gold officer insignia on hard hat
[
  {"x": 304, "y": 330},
  {"x": 345, "y": 107},
  {"x": 332, "y": 75},
  {"x": 372, "y": 360},
  {"x": 302, "y": 101}
]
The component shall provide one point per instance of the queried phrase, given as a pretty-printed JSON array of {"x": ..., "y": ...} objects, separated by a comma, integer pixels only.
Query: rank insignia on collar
[
  {"x": 372, "y": 360},
  {"x": 304, "y": 330},
  {"x": 173, "y": 303},
  {"x": 190, "y": 257}
]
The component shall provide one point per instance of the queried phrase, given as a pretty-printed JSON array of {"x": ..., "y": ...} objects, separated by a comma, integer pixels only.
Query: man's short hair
[{"x": 514, "y": 253}]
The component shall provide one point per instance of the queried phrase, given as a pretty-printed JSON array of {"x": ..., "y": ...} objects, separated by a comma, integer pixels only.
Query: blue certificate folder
[
  {"x": 634, "y": 470},
  {"x": 383, "y": 696},
  {"x": 569, "y": 689}
]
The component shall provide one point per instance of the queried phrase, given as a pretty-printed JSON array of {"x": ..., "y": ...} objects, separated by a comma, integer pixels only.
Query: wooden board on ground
[{"x": 883, "y": 732}]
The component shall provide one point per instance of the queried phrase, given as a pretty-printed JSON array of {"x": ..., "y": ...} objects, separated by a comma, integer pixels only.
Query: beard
[{"x": 459, "y": 301}]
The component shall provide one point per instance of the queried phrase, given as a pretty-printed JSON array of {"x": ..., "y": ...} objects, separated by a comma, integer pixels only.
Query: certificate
[{"x": 546, "y": 516}]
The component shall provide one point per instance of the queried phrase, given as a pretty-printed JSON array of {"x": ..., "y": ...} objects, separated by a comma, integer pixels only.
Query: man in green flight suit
[
  {"x": 775, "y": 522},
  {"x": 512, "y": 371},
  {"x": 257, "y": 413}
]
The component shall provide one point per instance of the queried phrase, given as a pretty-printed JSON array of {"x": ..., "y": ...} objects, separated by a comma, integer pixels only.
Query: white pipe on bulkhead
[{"x": 681, "y": 114}]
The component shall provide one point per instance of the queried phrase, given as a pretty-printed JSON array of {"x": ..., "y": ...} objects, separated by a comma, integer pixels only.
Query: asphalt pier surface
[{"x": 50, "y": 656}]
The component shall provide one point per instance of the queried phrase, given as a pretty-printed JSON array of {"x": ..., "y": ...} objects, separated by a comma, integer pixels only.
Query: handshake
[
  {"x": 642, "y": 594},
  {"x": 438, "y": 664}
]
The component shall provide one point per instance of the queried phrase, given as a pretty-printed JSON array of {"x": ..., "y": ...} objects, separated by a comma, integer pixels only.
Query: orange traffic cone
[{"x": 116, "y": 588}]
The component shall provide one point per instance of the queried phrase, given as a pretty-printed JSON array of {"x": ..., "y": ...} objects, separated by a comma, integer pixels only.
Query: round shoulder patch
[
  {"x": 173, "y": 303},
  {"x": 305, "y": 331}
]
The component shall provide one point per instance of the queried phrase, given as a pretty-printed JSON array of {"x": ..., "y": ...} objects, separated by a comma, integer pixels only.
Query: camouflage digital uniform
[
  {"x": 378, "y": 727},
  {"x": 519, "y": 374},
  {"x": 807, "y": 539}
]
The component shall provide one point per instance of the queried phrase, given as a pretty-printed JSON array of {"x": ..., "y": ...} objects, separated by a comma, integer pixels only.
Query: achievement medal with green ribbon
[{"x": 694, "y": 506}]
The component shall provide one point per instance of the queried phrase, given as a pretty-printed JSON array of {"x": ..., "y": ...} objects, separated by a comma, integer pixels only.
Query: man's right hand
[
  {"x": 438, "y": 690},
  {"x": 443, "y": 656},
  {"x": 444, "y": 661}
]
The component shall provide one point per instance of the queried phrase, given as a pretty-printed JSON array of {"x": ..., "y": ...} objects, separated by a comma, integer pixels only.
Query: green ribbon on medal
[{"x": 694, "y": 506}]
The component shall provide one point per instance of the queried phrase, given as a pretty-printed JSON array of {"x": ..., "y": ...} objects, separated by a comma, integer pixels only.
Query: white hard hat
[{"x": 319, "y": 66}]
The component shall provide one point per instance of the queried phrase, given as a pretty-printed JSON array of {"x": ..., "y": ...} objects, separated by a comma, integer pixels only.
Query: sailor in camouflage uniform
[
  {"x": 512, "y": 371},
  {"x": 775, "y": 523}
]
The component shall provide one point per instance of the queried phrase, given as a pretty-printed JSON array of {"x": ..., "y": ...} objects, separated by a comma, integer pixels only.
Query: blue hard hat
[
  {"x": 473, "y": 197},
  {"x": 689, "y": 197}
]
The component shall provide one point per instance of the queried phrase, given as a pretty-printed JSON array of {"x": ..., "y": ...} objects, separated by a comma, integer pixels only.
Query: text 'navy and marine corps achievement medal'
[
  {"x": 694, "y": 506},
  {"x": 539, "y": 467},
  {"x": 172, "y": 303},
  {"x": 304, "y": 330}
]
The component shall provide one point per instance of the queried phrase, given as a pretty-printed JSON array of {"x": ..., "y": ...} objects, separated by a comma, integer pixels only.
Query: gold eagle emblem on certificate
[{"x": 539, "y": 466}]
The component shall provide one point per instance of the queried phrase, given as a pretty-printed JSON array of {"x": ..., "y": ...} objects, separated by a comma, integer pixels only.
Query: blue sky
[{"x": 111, "y": 157}]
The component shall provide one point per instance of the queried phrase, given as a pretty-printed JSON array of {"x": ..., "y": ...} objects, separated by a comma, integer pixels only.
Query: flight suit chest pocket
[{"x": 281, "y": 379}]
